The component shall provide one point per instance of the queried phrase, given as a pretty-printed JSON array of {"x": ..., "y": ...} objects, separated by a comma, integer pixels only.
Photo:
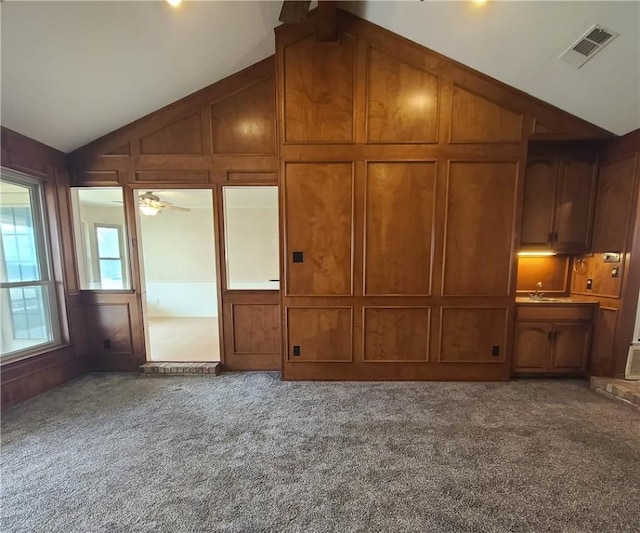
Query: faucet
[{"x": 537, "y": 293}]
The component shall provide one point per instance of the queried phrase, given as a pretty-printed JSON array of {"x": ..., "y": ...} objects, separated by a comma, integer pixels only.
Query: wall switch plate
[
  {"x": 611, "y": 257},
  {"x": 589, "y": 283},
  {"x": 107, "y": 344}
]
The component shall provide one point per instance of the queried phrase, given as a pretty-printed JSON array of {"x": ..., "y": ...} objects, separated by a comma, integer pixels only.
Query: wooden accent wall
[
  {"x": 616, "y": 229},
  {"x": 26, "y": 378},
  {"x": 400, "y": 198},
  {"x": 224, "y": 134}
]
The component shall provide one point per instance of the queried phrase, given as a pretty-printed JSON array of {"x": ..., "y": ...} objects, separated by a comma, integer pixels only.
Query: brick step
[
  {"x": 181, "y": 369},
  {"x": 621, "y": 390}
]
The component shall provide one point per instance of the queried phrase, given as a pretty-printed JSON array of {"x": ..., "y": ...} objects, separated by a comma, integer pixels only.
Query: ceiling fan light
[{"x": 149, "y": 210}]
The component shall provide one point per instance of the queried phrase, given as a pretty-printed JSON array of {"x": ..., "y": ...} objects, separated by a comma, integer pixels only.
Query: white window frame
[{"x": 44, "y": 257}]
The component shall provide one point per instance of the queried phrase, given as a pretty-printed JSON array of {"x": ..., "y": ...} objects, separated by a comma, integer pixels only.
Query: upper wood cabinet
[{"x": 559, "y": 200}]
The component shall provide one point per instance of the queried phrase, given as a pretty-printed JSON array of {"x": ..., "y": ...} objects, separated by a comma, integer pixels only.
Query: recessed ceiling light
[
  {"x": 174, "y": 3},
  {"x": 479, "y": 2}
]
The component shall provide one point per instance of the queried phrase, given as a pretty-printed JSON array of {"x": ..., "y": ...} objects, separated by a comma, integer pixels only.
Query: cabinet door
[
  {"x": 575, "y": 196},
  {"x": 539, "y": 202},
  {"x": 570, "y": 348},
  {"x": 532, "y": 347}
]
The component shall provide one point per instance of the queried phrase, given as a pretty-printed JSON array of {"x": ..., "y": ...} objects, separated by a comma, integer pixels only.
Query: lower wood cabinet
[{"x": 555, "y": 345}]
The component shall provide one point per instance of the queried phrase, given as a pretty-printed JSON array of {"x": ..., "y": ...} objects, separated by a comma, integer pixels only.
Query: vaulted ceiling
[{"x": 74, "y": 71}]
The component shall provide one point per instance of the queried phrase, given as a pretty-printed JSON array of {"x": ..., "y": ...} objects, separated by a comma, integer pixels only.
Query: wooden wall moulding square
[
  {"x": 396, "y": 334},
  {"x": 316, "y": 335},
  {"x": 183, "y": 137},
  {"x": 110, "y": 325},
  {"x": 244, "y": 122},
  {"x": 402, "y": 102},
  {"x": 172, "y": 176},
  {"x": 319, "y": 225},
  {"x": 475, "y": 119},
  {"x": 473, "y": 334},
  {"x": 96, "y": 178},
  {"x": 319, "y": 91},
  {"x": 478, "y": 240},
  {"x": 239, "y": 176},
  {"x": 256, "y": 328},
  {"x": 400, "y": 207}
]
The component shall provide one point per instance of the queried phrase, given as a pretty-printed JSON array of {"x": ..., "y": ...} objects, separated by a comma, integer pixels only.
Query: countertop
[{"x": 525, "y": 300}]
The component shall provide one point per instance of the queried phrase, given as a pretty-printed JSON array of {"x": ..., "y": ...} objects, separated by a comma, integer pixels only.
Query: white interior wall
[
  {"x": 252, "y": 247},
  {"x": 179, "y": 263}
]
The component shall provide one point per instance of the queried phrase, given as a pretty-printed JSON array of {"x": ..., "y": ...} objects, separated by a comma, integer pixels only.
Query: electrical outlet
[
  {"x": 296, "y": 351},
  {"x": 495, "y": 351},
  {"x": 107, "y": 344},
  {"x": 589, "y": 284},
  {"x": 614, "y": 272}
]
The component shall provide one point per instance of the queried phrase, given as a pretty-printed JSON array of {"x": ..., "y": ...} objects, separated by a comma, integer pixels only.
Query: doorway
[{"x": 178, "y": 263}]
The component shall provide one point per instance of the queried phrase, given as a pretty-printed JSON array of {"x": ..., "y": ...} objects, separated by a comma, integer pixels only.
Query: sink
[{"x": 546, "y": 299}]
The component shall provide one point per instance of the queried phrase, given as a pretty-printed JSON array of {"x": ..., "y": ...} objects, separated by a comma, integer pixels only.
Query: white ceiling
[{"x": 74, "y": 71}]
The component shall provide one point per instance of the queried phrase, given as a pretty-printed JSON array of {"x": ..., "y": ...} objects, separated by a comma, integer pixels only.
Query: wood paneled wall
[
  {"x": 553, "y": 272},
  {"x": 25, "y": 378},
  {"x": 401, "y": 196},
  {"x": 616, "y": 229},
  {"x": 224, "y": 134}
]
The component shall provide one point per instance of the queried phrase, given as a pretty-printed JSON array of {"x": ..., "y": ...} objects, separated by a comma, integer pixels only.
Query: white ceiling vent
[{"x": 594, "y": 40}]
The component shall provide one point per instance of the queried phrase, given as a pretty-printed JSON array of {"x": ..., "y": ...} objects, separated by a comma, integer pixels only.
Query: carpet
[{"x": 248, "y": 453}]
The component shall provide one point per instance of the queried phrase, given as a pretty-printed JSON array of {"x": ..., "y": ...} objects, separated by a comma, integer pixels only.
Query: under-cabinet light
[{"x": 534, "y": 253}]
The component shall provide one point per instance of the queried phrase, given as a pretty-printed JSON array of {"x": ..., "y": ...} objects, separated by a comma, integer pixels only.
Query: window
[
  {"x": 98, "y": 225},
  {"x": 110, "y": 263},
  {"x": 29, "y": 319},
  {"x": 251, "y": 238}
]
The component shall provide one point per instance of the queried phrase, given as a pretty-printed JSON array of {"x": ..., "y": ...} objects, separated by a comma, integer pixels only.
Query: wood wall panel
[
  {"x": 171, "y": 176},
  {"x": 594, "y": 268},
  {"x": 183, "y": 137},
  {"x": 109, "y": 323},
  {"x": 319, "y": 90},
  {"x": 412, "y": 115},
  {"x": 322, "y": 334},
  {"x": 602, "y": 353},
  {"x": 400, "y": 212},
  {"x": 256, "y": 329},
  {"x": 472, "y": 335},
  {"x": 616, "y": 193},
  {"x": 553, "y": 272},
  {"x": 253, "y": 177},
  {"x": 318, "y": 214},
  {"x": 476, "y": 119},
  {"x": 244, "y": 122},
  {"x": 478, "y": 236},
  {"x": 396, "y": 334}
]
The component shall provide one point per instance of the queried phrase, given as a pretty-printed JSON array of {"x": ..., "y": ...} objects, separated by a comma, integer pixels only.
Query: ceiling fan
[{"x": 151, "y": 205}]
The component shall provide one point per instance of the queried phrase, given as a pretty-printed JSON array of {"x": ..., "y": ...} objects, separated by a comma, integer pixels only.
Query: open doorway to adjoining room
[{"x": 178, "y": 263}]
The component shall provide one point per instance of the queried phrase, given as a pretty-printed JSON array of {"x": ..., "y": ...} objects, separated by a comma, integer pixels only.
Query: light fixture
[
  {"x": 479, "y": 2},
  {"x": 534, "y": 253},
  {"x": 174, "y": 3},
  {"x": 149, "y": 210}
]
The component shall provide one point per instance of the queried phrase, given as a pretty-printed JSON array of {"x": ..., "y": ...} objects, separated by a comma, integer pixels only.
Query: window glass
[
  {"x": 251, "y": 238},
  {"x": 99, "y": 227},
  {"x": 28, "y": 317}
]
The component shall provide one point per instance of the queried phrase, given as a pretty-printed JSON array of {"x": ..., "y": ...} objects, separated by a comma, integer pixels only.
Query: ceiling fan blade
[
  {"x": 294, "y": 11},
  {"x": 177, "y": 208}
]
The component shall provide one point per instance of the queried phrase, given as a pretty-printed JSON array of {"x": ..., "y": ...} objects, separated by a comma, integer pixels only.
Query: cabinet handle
[
  {"x": 550, "y": 336},
  {"x": 555, "y": 236},
  {"x": 550, "y": 237}
]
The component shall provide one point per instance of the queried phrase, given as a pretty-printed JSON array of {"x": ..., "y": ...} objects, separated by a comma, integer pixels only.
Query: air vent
[
  {"x": 587, "y": 46},
  {"x": 633, "y": 363}
]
